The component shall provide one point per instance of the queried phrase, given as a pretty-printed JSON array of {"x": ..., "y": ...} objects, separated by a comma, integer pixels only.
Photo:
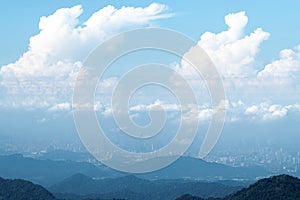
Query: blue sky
[
  {"x": 254, "y": 45},
  {"x": 19, "y": 20}
]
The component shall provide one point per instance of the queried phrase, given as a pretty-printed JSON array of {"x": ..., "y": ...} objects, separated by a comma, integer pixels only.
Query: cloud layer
[{"x": 44, "y": 75}]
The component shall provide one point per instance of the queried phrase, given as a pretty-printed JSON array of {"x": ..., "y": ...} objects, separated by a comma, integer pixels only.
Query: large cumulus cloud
[{"x": 44, "y": 75}]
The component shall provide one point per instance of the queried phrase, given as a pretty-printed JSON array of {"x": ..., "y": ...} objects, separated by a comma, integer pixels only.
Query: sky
[
  {"x": 254, "y": 45},
  {"x": 193, "y": 19}
]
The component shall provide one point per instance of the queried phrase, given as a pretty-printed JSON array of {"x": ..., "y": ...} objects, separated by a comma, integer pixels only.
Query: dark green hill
[
  {"x": 22, "y": 190},
  {"x": 283, "y": 187}
]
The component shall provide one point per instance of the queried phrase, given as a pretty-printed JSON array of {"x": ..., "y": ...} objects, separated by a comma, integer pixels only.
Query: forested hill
[
  {"x": 282, "y": 187},
  {"x": 22, "y": 190}
]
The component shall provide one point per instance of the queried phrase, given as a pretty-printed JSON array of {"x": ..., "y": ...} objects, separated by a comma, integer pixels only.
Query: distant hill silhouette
[
  {"x": 49, "y": 172},
  {"x": 133, "y": 188},
  {"x": 59, "y": 155},
  {"x": 45, "y": 172},
  {"x": 22, "y": 190},
  {"x": 282, "y": 187},
  {"x": 194, "y": 168}
]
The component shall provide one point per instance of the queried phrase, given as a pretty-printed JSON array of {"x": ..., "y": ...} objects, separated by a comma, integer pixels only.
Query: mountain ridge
[
  {"x": 134, "y": 188},
  {"x": 49, "y": 172},
  {"x": 281, "y": 187}
]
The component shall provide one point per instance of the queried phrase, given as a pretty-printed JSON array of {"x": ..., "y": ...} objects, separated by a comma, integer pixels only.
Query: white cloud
[
  {"x": 44, "y": 75},
  {"x": 205, "y": 114},
  {"x": 236, "y": 111},
  {"x": 285, "y": 70},
  {"x": 191, "y": 113},
  {"x": 252, "y": 110},
  {"x": 233, "y": 52},
  {"x": 266, "y": 111},
  {"x": 46, "y": 72},
  {"x": 164, "y": 106},
  {"x": 60, "y": 107}
]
